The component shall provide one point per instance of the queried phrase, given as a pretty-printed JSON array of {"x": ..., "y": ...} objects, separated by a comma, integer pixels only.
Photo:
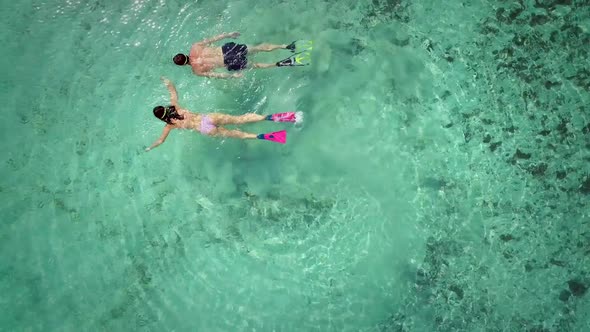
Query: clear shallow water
[{"x": 440, "y": 181}]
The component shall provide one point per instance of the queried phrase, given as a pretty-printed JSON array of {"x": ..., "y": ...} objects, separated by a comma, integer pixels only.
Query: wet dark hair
[
  {"x": 180, "y": 59},
  {"x": 167, "y": 113}
]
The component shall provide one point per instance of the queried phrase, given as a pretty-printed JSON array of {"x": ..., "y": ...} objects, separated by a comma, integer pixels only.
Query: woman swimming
[{"x": 211, "y": 124}]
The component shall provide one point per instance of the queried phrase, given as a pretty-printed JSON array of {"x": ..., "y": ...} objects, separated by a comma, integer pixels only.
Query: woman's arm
[
  {"x": 161, "y": 139},
  {"x": 172, "y": 90}
]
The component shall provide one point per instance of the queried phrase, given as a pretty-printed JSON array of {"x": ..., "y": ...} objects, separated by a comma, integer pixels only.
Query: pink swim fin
[
  {"x": 277, "y": 136},
  {"x": 296, "y": 117}
]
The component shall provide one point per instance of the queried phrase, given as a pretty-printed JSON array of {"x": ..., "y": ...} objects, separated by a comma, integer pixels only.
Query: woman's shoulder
[{"x": 185, "y": 111}]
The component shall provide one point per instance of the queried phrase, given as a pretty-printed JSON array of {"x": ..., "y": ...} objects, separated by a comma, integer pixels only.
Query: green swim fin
[
  {"x": 298, "y": 59},
  {"x": 300, "y": 46}
]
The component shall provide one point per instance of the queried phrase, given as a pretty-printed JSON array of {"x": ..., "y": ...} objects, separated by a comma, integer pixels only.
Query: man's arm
[
  {"x": 172, "y": 90},
  {"x": 220, "y": 75},
  {"x": 219, "y": 37},
  {"x": 162, "y": 138}
]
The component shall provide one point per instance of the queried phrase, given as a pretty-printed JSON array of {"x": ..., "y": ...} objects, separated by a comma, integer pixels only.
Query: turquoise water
[{"x": 440, "y": 181}]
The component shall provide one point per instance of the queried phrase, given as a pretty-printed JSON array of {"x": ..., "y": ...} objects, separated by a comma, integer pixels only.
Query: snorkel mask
[
  {"x": 166, "y": 113},
  {"x": 180, "y": 59},
  {"x": 169, "y": 112}
]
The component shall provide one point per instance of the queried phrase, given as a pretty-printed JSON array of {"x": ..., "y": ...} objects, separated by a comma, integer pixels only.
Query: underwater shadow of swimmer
[{"x": 232, "y": 166}]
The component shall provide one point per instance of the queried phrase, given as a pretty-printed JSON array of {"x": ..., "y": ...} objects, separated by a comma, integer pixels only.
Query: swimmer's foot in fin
[
  {"x": 297, "y": 59},
  {"x": 296, "y": 117},
  {"x": 291, "y": 47},
  {"x": 277, "y": 136},
  {"x": 286, "y": 62},
  {"x": 300, "y": 45}
]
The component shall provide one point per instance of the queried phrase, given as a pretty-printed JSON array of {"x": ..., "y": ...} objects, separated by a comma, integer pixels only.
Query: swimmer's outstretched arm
[
  {"x": 162, "y": 138},
  {"x": 219, "y": 37},
  {"x": 222, "y": 75},
  {"x": 172, "y": 89}
]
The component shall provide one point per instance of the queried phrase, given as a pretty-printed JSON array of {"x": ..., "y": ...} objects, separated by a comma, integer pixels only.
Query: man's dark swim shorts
[{"x": 234, "y": 56}]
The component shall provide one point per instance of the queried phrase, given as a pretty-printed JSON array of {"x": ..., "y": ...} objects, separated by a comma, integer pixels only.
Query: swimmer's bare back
[{"x": 204, "y": 59}]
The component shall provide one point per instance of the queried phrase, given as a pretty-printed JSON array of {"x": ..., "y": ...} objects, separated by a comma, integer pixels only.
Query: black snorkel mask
[{"x": 169, "y": 113}]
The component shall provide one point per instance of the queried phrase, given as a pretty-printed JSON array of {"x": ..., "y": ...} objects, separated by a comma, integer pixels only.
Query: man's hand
[
  {"x": 237, "y": 75},
  {"x": 219, "y": 37},
  {"x": 165, "y": 80}
]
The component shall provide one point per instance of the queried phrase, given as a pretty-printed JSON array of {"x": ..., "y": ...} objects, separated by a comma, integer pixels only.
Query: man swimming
[
  {"x": 211, "y": 124},
  {"x": 204, "y": 58}
]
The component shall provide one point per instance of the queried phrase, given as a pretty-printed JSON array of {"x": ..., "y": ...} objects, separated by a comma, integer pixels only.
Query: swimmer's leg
[
  {"x": 277, "y": 136},
  {"x": 223, "y": 119},
  {"x": 264, "y": 65},
  {"x": 222, "y": 132},
  {"x": 265, "y": 48}
]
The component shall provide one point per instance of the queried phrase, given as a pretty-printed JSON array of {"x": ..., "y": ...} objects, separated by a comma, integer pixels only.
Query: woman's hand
[{"x": 234, "y": 35}]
